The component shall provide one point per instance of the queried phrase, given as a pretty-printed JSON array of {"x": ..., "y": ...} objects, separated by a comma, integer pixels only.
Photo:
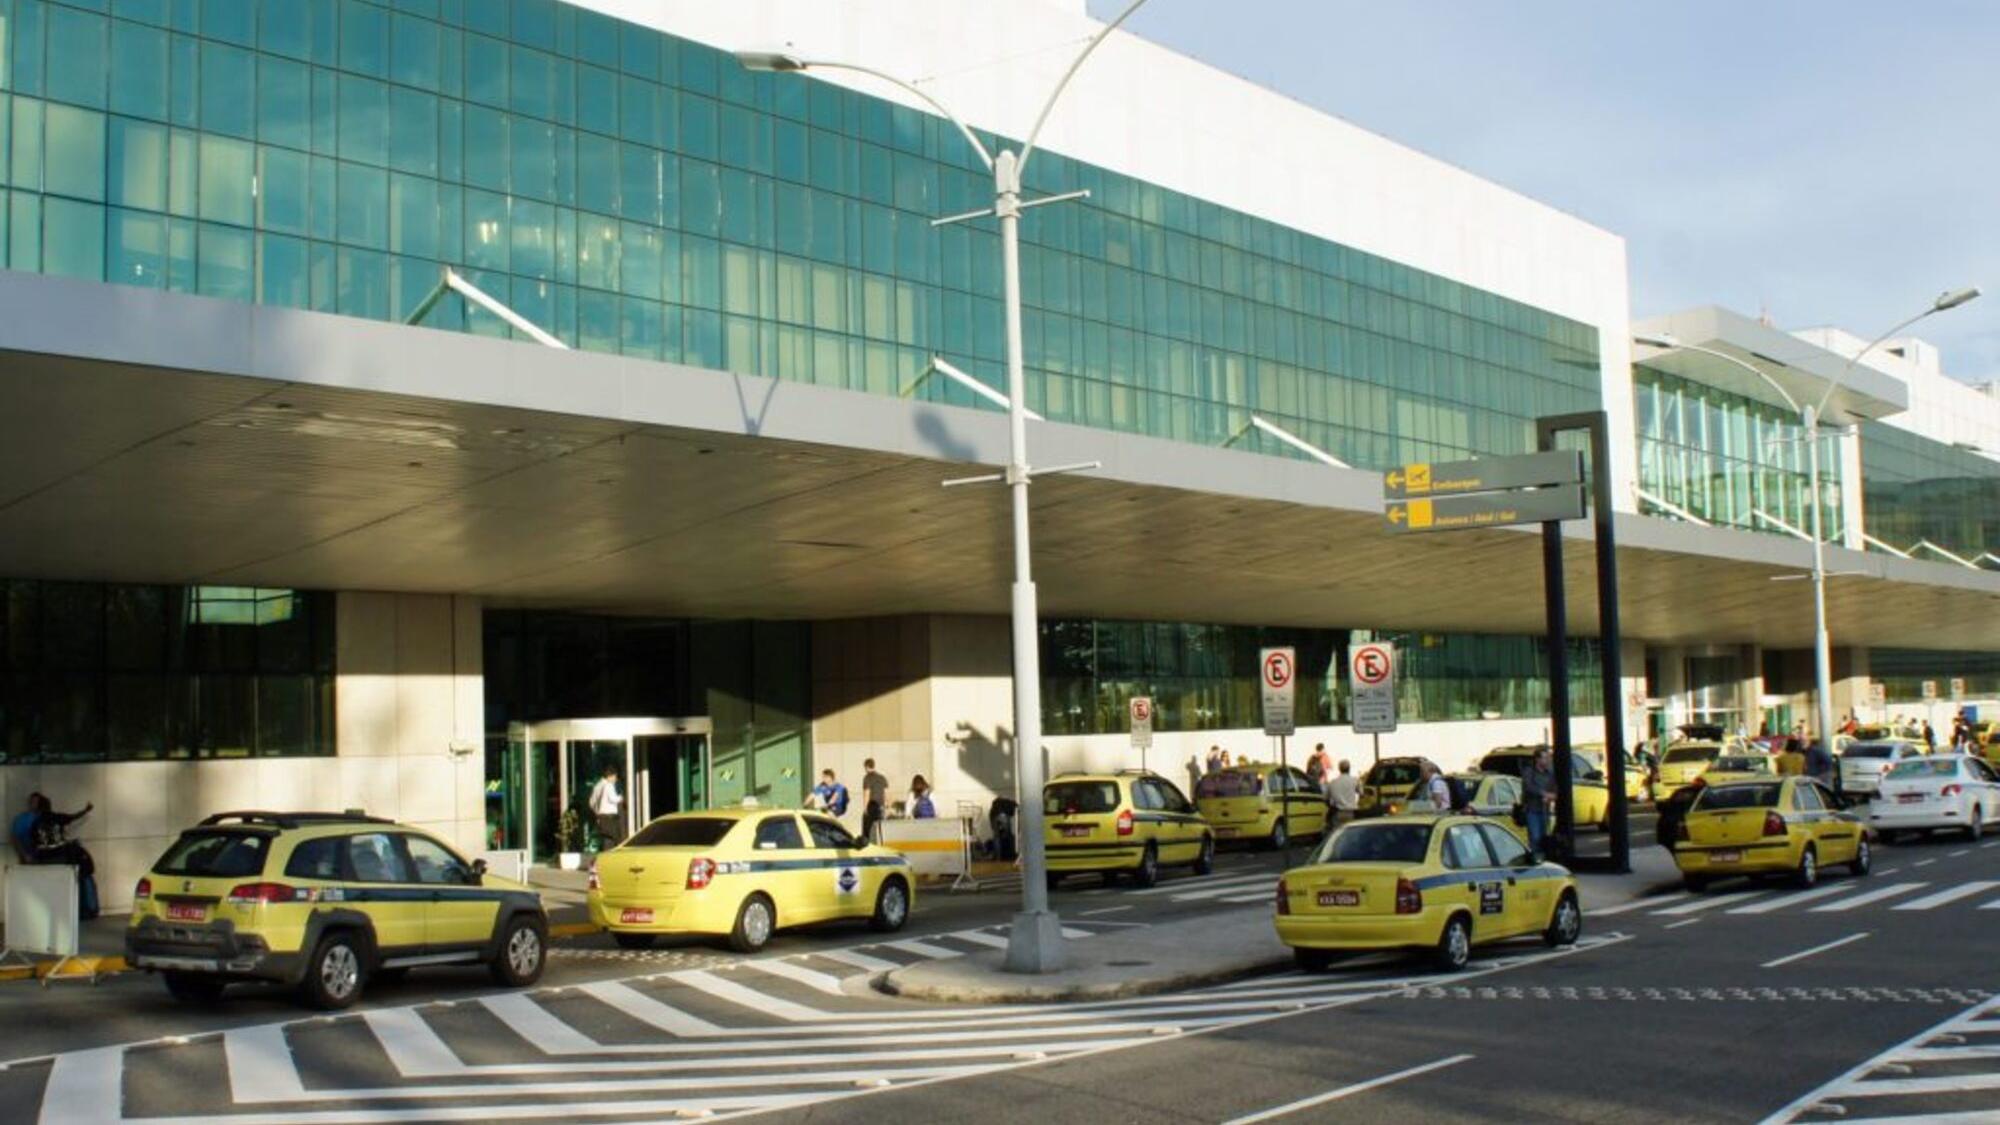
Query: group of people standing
[{"x": 831, "y": 796}]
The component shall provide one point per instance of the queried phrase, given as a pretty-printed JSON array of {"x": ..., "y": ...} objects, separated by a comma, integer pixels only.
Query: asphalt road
[{"x": 1865, "y": 998}]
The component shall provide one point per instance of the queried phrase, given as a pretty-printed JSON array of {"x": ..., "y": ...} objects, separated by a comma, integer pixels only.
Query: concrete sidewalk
[{"x": 1185, "y": 953}]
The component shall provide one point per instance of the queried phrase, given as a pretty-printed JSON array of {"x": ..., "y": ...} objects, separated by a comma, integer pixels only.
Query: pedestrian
[
  {"x": 830, "y": 795},
  {"x": 921, "y": 806},
  {"x": 1001, "y": 817},
  {"x": 1193, "y": 771},
  {"x": 1819, "y": 763},
  {"x": 1673, "y": 811},
  {"x": 1318, "y": 765},
  {"x": 22, "y": 831},
  {"x": 51, "y": 844},
  {"x": 1344, "y": 793},
  {"x": 1792, "y": 762},
  {"x": 874, "y": 799},
  {"x": 1436, "y": 788},
  {"x": 1930, "y": 738},
  {"x": 1215, "y": 759},
  {"x": 606, "y": 807},
  {"x": 1538, "y": 797},
  {"x": 1225, "y": 759}
]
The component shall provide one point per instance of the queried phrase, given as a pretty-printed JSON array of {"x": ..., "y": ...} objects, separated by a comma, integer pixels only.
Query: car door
[
  {"x": 1307, "y": 802},
  {"x": 459, "y": 914},
  {"x": 1987, "y": 783},
  {"x": 1530, "y": 898},
  {"x": 851, "y": 883},
  {"x": 381, "y": 888},
  {"x": 1478, "y": 886},
  {"x": 1167, "y": 831},
  {"x": 1189, "y": 826},
  {"x": 785, "y": 869},
  {"x": 1830, "y": 834}
]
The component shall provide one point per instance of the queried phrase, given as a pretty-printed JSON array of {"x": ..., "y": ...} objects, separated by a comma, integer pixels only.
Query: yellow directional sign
[
  {"x": 1486, "y": 474},
  {"x": 1490, "y": 509}
]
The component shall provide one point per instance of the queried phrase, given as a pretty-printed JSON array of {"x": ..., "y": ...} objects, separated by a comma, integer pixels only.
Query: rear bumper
[
  {"x": 1068, "y": 858},
  {"x": 212, "y": 948},
  {"x": 1365, "y": 931},
  {"x": 1756, "y": 859},
  {"x": 693, "y": 912},
  {"x": 1884, "y": 817}
]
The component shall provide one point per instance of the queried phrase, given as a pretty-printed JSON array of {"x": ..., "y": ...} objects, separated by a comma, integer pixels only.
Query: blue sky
[{"x": 1832, "y": 161}]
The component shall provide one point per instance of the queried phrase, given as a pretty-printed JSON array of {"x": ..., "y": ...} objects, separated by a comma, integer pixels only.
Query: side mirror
[{"x": 478, "y": 872}]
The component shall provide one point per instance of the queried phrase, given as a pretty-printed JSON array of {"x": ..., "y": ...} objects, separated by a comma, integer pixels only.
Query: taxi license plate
[
  {"x": 1909, "y": 798},
  {"x": 634, "y": 917},
  {"x": 1340, "y": 898},
  {"x": 1225, "y": 832},
  {"x": 186, "y": 912},
  {"x": 1729, "y": 856},
  {"x": 1075, "y": 830}
]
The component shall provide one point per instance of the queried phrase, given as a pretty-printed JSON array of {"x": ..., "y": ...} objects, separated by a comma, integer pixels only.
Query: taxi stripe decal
[
  {"x": 1488, "y": 875},
  {"x": 809, "y": 864}
]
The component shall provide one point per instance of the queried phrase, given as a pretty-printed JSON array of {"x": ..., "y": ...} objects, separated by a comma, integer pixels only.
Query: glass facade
[
  {"x": 1204, "y": 677},
  {"x": 1902, "y": 672},
  {"x": 1916, "y": 489},
  {"x": 92, "y": 672},
  {"x": 636, "y": 193},
  {"x": 1730, "y": 460}
]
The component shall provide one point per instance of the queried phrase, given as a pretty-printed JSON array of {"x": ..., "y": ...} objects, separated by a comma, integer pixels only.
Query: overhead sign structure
[
  {"x": 1957, "y": 688},
  {"x": 1486, "y": 474},
  {"x": 1930, "y": 690},
  {"x": 1141, "y": 711},
  {"x": 1486, "y": 509},
  {"x": 1371, "y": 682},
  {"x": 1279, "y": 670}
]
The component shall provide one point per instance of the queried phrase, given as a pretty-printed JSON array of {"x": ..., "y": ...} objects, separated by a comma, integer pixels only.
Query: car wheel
[
  {"x": 1312, "y": 960},
  {"x": 1864, "y": 856},
  {"x": 1454, "y": 947},
  {"x": 524, "y": 950},
  {"x": 1976, "y": 827},
  {"x": 1566, "y": 924},
  {"x": 1204, "y": 861},
  {"x": 1280, "y": 836},
  {"x": 892, "y": 907},
  {"x": 1807, "y": 873},
  {"x": 1695, "y": 884},
  {"x": 336, "y": 972},
  {"x": 755, "y": 920},
  {"x": 1148, "y": 871},
  {"x": 194, "y": 988},
  {"x": 633, "y": 941}
]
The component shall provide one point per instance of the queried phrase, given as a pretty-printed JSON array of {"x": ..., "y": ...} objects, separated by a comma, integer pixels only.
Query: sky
[{"x": 1825, "y": 161}]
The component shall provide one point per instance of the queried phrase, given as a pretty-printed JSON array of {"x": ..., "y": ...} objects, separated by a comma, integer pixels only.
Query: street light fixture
[
  {"x": 1035, "y": 944},
  {"x": 1809, "y": 419}
]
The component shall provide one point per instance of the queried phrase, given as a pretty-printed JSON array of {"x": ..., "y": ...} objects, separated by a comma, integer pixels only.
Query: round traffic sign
[
  {"x": 1371, "y": 664},
  {"x": 1142, "y": 708},
  {"x": 1277, "y": 670}
]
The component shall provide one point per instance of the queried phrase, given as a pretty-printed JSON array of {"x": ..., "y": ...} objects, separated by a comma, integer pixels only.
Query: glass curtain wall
[
  {"x": 636, "y": 193},
  {"x": 1902, "y": 672},
  {"x": 1733, "y": 461},
  {"x": 1916, "y": 489}
]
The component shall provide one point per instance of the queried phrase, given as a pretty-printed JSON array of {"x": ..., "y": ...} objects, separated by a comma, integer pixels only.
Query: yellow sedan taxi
[
  {"x": 1681, "y": 763},
  {"x": 1428, "y": 882},
  {"x": 1261, "y": 801},
  {"x": 1132, "y": 822},
  {"x": 1590, "y": 797},
  {"x": 1636, "y": 786},
  {"x": 742, "y": 874},
  {"x": 1388, "y": 786},
  {"x": 1494, "y": 795},
  {"x": 1740, "y": 767},
  {"x": 1775, "y": 826}
]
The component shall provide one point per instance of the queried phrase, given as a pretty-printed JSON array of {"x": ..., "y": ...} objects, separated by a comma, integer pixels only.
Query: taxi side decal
[
  {"x": 813, "y": 864},
  {"x": 1485, "y": 875}
]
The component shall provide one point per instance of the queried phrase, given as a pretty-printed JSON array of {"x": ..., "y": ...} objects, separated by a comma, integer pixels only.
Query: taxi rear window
[
  {"x": 1925, "y": 767},
  {"x": 216, "y": 855},
  {"x": 1870, "y": 750},
  {"x": 1738, "y": 797},
  {"x": 1229, "y": 783},
  {"x": 1376, "y": 843},
  {"x": 1066, "y": 797},
  {"x": 1394, "y": 773},
  {"x": 1692, "y": 754},
  {"x": 682, "y": 832},
  {"x": 1743, "y": 765}
]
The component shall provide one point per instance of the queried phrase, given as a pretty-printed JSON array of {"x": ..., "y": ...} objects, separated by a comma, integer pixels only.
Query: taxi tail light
[
  {"x": 700, "y": 871},
  {"x": 1951, "y": 790},
  {"x": 144, "y": 889},
  {"x": 1284, "y": 897},
  {"x": 1125, "y": 823},
  {"x": 594, "y": 884},
  {"x": 247, "y": 894},
  {"x": 1409, "y": 900},
  {"x": 1774, "y": 825}
]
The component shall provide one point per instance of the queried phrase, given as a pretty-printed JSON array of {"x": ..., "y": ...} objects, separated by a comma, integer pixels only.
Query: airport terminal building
[{"x": 264, "y": 544}]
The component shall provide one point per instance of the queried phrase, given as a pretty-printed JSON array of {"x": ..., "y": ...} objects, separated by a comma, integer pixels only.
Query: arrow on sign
[
  {"x": 1394, "y": 479},
  {"x": 1396, "y": 513}
]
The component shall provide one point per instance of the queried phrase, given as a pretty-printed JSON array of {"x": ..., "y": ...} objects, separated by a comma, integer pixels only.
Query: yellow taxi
[
  {"x": 1261, "y": 801},
  {"x": 1740, "y": 767},
  {"x": 1494, "y": 795},
  {"x": 1431, "y": 882},
  {"x": 324, "y": 902},
  {"x": 742, "y": 874},
  {"x": 1590, "y": 797},
  {"x": 1774, "y": 826},
  {"x": 1133, "y": 822},
  {"x": 1388, "y": 786},
  {"x": 1681, "y": 763},
  {"x": 1636, "y": 786}
]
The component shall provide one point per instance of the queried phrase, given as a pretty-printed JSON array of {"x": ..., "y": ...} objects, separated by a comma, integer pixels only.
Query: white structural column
[{"x": 1822, "y": 647}]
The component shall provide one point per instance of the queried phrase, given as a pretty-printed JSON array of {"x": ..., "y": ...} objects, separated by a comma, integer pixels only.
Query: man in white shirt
[
  {"x": 1437, "y": 788},
  {"x": 1343, "y": 792},
  {"x": 605, "y": 805}
]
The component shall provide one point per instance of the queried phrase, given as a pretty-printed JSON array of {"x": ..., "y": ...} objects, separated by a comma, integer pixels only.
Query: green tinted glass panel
[{"x": 74, "y": 158}]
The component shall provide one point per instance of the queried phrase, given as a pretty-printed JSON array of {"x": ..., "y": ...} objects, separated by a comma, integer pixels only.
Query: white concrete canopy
[{"x": 1807, "y": 372}]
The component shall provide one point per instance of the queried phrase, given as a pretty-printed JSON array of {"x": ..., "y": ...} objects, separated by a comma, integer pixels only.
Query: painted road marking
[
  {"x": 1783, "y": 901},
  {"x": 811, "y": 978},
  {"x": 859, "y": 960},
  {"x": 1678, "y": 925},
  {"x": 922, "y": 949},
  {"x": 1805, "y": 953},
  {"x": 1952, "y": 894},
  {"x": 646, "y": 1010},
  {"x": 1709, "y": 903},
  {"x": 1890, "y": 891},
  {"x": 1638, "y": 904},
  {"x": 1199, "y": 882},
  {"x": 1348, "y": 1091},
  {"x": 749, "y": 998},
  {"x": 995, "y": 941}
]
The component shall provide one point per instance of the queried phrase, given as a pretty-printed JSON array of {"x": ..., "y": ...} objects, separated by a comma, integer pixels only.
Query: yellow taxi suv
[
  {"x": 1129, "y": 823},
  {"x": 1780, "y": 826},
  {"x": 1590, "y": 796},
  {"x": 1740, "y": 767},
  {"x": 742, "y": 875},
  {"x": 1494, "y": 795},
  {"x": 1637, "y": 788},
  {"x": 1681, "y": 763},
  {"x": 324, "y": 902},
  {"x": 1261, "y": 801},
  {"x": 1388, "y": 786},
  {"x": 1439, "y": 883}
]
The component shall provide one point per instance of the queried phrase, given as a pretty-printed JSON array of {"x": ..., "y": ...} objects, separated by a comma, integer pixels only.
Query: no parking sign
[{"x": 1279, "y": 669}]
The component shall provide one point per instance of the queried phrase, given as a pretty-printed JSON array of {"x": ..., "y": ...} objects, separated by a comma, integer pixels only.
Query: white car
[
  {"x": 1863, "y": 763},
  {"x": 1955, "y": 792}
]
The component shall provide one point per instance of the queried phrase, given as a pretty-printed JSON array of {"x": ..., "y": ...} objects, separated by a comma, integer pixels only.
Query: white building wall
[
  {"x": 1941, "y": 408},
  {"x": 408, "y": 687}
]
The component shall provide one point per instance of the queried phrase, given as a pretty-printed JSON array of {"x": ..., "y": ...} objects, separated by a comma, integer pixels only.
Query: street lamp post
[
  {"x": 1035, "y": 944},
  {"x": 1809, "y": 420}
]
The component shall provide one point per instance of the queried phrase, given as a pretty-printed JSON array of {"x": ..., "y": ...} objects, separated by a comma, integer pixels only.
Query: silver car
[{"x": 1862, "y": 764}]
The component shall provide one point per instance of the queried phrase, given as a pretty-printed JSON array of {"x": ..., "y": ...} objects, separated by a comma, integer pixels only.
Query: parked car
[{"x": 1932, "y": 793}]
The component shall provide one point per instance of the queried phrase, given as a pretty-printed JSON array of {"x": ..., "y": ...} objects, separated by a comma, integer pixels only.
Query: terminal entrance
[{"x": 551, "y": 769}]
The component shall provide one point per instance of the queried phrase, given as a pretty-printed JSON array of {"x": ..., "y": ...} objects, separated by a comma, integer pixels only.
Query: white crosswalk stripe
[
  {"x": 1949, "y": 894},
  {"x": 1829, "y": 898},
  {"x": 1708, "y": 902},
  {"x": 1866, "y": 897},
  {"x": 735, "y": 1040},
  {"x": 1890, "y": 1086}
]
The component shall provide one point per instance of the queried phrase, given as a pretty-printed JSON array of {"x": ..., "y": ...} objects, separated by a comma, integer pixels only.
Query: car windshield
[
  {"x": 1394, "y": 773},
  {"x": 1871, "y": 750},
  {"x": 1679, "y": 754},
  {"x": 1924, "y": 767},
  {"x": 682, "y": 832},
  {"x": 216, "y": 855},
  {"x": 1229, "y": 783},
  {"x": 1738, "y": 797},
  {"x": 1742, "y": 764},
  {"x": 1067, "y": 797},
  {"x": 1377, "y": 843}
]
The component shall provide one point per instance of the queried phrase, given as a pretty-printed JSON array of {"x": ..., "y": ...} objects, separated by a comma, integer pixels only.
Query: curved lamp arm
[
  {"x": 1670, "y": 342},
  {"x": 1028, "y": 149},
  {"x": 783, "y": 63},
  {"x": 1949, "y": 299}
]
